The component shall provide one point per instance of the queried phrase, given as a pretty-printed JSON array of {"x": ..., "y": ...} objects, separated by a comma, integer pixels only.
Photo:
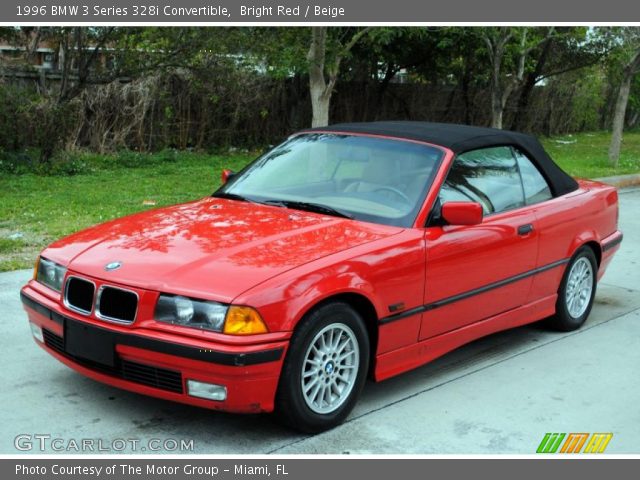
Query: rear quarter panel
[{"x": 565, "y": 223}]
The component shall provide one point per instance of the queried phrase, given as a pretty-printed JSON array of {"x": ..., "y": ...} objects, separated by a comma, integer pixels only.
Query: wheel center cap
[{"x": 328, "y": 368}]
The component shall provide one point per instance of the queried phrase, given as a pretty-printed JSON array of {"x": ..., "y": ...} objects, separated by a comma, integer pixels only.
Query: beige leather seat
[
  {"x": 416, "y": 185},
  {"x": 379, "y": 169}
]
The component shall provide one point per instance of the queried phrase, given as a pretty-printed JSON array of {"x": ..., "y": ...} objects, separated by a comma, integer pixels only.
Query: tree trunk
[
  {"x": 320, "y": 94},
  {"x": 496, "y": 90},
  {"x": 466, "y": 94},
  {"x": 321, "y": 89},
  {"x": 320, "y": 101},
  {"x": 382, "y": 90},
  {"x": 496, "y": 50},
  {"x": 496, "y": 111},
  {"x": 529, "y": 84},
  {"x": 621, "y": 109},
  {"x": 501, "y": 89},
  {"x": 618, "y": 119}
]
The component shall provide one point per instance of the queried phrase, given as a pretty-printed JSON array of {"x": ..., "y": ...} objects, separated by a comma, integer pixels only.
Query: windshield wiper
[
  {"x": 309, "y": 206},
  {"x": 232, "y": 196}
]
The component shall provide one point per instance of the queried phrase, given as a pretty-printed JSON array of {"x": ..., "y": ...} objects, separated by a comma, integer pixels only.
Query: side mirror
[
  {"x": 462, "y": 213},
  {"x": 226, "y": 175}
]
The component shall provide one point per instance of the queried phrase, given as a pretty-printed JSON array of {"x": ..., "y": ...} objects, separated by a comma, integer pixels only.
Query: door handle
[{"x": 525, "y": 229}]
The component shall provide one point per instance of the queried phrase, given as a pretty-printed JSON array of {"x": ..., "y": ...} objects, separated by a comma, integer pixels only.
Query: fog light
[
  {"x": 210, "y": 391},
  {"x": 36, "y": 331}
]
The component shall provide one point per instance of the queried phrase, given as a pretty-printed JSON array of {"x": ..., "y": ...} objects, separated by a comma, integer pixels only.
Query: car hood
[{"x": 212, "y": 248}]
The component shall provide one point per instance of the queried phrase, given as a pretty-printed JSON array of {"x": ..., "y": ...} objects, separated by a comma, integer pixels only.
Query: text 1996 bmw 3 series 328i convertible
[{"x": 348, "y": 251}]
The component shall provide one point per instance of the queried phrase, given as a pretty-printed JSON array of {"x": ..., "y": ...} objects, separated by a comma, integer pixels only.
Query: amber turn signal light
[
  {"x": 35, "y": 268},
  {"x": 244, "y": 321}
]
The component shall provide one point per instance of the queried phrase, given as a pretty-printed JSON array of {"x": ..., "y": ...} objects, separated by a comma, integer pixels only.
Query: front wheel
[
  {"x": 325, "y": 369},
  {"x": 576, "y": 292}
]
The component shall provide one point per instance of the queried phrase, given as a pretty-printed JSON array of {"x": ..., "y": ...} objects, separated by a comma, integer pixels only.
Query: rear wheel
[
  {"x": 577, "y": 291},
  {"x": 325, "y": 369}
]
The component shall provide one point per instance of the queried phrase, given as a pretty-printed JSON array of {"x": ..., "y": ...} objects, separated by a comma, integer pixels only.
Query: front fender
[
  {"x": 387, "y": 273},
  {"x": 297, "y": 298}
]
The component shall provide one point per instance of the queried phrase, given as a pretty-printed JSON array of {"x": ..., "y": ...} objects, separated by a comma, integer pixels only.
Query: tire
[
  {"x": 320, "y": 384},
  {"x": 576, "y": 299}
]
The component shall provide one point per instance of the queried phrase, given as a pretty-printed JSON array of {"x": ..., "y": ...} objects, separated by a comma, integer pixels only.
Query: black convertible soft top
[{"x": 463, "y": 138}]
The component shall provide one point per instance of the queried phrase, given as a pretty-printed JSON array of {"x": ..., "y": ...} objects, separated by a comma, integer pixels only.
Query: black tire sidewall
[{"x": 289, "y": 399}]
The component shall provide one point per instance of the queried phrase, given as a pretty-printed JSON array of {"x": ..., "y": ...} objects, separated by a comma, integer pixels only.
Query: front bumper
[{"x": 159, "y": 364}]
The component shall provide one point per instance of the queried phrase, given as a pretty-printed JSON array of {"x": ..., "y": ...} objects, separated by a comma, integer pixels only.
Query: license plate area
[{"x": 90, "y": 343}]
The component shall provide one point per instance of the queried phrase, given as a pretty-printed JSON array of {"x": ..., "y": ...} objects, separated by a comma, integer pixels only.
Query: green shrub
[
  {"x": 131, "y": 159},
  {"x": 16, "y": 163},
  {"x": 65, "y": 164},
  {"x": 168, "y": 155},
  {"x": 16, "y": 120}
]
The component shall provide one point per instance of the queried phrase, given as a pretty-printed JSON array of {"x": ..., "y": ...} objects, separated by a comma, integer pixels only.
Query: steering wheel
[{"x": 396, "y": 192}]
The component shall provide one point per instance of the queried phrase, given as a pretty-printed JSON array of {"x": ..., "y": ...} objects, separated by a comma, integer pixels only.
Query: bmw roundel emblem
[{"x": 109, "y": 267}]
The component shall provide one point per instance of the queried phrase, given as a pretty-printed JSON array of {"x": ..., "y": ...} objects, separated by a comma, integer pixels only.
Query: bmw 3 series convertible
[{"x": 347, "y": 252}]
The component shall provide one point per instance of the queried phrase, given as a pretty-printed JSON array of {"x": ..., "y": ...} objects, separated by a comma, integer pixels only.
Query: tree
[
  {"x": 324, "y": 70},
  {"x": 79, "y": 52},
  {"x": 567, "y": 50},
  {"x": 379, "y": 56},
  {"x": 509, "y": 49},
  {"x": 89, "y": 56},
  {"x": 82, "y": 61},
  {"x": 630, "y": 53},
  {"x": 317, "y": 51}
]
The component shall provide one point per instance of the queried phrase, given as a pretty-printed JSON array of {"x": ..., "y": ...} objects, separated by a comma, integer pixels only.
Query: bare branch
[
  {"x": 489, "y": 43},
  {"x": 335, "y": 68},
  {"x": 355, "y": 39}
]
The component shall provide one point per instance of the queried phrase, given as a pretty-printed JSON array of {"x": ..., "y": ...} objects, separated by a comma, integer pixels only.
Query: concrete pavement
[{"x": 500, "y": 394}]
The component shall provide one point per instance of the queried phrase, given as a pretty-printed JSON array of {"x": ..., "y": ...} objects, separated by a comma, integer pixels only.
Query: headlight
[
  {"x": 217, "y": 317},
  {"x": 50, "y": 274},
  {"x": 191, "y": 313}
]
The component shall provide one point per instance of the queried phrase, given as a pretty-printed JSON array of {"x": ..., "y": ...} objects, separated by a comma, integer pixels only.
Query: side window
[
  {"x": 488, "y": 176},
  {"x": 536, "y": 188}
]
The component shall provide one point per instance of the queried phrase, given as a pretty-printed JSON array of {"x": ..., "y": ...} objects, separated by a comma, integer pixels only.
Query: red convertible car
[{"x": 348, "y": 251}]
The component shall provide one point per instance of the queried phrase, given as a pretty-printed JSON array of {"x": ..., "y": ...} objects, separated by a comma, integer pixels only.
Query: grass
[
  {"x": 585, "y": 154},
  {"x": 40, "y": 209},
  {"x": 37, "y": 209}
]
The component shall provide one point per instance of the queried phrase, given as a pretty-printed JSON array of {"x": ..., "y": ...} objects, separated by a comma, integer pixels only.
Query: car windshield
[{"x": 361, "y": 177}]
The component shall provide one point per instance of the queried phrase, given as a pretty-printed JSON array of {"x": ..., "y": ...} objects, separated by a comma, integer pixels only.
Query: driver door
[{"x": 475, "y": 272}]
